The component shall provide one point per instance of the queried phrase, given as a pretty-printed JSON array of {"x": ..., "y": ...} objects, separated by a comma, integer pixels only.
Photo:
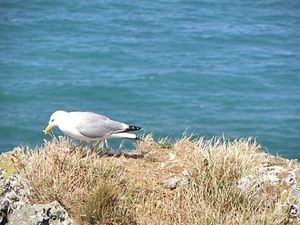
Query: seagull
[{"x": 90, "y": 126}]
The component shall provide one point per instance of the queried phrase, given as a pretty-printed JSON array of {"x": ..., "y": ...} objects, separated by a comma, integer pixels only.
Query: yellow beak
[{"x": 47, "y": 129}]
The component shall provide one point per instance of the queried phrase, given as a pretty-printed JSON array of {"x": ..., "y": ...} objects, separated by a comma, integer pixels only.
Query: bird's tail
[{"x": 125, "y": 135}]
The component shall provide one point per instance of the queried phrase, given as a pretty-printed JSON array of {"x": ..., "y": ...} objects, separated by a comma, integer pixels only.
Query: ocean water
[{"x": 212, "y": 68}]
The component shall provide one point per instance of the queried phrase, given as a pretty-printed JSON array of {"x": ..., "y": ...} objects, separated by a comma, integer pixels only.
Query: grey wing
[{"x": 93, "y": 125}]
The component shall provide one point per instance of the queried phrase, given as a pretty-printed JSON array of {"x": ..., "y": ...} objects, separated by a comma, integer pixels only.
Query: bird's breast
[{"x": 71, "y": 131}]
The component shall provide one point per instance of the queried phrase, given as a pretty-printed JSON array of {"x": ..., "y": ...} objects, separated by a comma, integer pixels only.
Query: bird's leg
[
  {"x": 100, "y": 145},
  {"x": 105, "y": 144},
  {"x": 121, "y": 147},
  {"x": 95, "y": 146}
]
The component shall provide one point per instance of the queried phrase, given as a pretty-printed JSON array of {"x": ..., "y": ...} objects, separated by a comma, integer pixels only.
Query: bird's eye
[{"x": 52, "y": 120}]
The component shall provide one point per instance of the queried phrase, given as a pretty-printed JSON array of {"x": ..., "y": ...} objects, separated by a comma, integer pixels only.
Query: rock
[
  {"x": 22, "y": 216},
  {"x": 294, "y": 211},
  {"x": 270, "y": 170},
  {"x": 269, "y": 178},
  {"x": 50, "y": 214},
  {"x": 15, "y": 191},
  {"x": 15, "y": 208},
  {"x": 4, "y": 209},
  {"x": 13, "y": 195},
  {"x": 244, "y": 182},
  {"x": 293, "y": 201},
  {"x": 185, "y": 173},
  {"x": 289, "y": 179},
  {"x": 295, "y": 194},
  {"x": 1, "y": 175},
  {"x": 270, "y": 175},
  {"x": 172, "y": 156},
  {"x": 175, "y": 182},
  {"x": 162, "y": 165}
]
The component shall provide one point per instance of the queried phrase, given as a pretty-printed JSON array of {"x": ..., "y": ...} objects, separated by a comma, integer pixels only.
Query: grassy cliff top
[{"x": 198, "y": 181}]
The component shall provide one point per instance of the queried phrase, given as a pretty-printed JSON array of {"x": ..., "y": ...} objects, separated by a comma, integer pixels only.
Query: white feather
[{"x": 123, "y": 135}]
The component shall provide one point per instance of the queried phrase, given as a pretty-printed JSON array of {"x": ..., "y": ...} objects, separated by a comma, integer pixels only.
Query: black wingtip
[{"x": 133, "y": 128}]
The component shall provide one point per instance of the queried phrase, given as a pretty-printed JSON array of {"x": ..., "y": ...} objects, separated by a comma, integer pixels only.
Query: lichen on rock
[
  {"x": 51, "y": 213},
  {"x": 16, "y": 209}
]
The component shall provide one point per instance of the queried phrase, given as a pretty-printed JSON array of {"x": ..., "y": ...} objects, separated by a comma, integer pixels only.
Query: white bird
[{"x": 90, "y": 126}]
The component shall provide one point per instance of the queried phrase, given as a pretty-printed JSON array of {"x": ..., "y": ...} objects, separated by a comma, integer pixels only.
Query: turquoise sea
[{"x": 212, "y": 68}]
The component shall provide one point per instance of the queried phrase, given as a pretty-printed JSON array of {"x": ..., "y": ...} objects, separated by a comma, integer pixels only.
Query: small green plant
[
  {"x": 151, "y": 158},
  {"x": 166, "y": 145},
  {"x": 100, "y": 205},
  {"x": 205, "y": 162},
  {"x": 7, "y": 165}
]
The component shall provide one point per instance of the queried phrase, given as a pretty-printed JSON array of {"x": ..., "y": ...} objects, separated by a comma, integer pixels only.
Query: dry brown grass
[
  {"x": 111, "y": 190},
  {"x": 90, "y": 189}
]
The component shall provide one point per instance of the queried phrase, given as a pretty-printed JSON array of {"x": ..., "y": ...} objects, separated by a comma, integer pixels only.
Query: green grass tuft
[{"x": 151, "y": 158}]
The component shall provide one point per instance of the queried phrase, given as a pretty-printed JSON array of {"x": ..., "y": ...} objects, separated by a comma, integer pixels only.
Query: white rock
[
  {"x": 51, "y": 213},
  {"x": 269, "y": 178},
  {"x": 295, "y": 194},
  {"x": 268, "y": 175},
  {"x": 294, "y": 211},
  {"x": 290, "y": 179},
  {"x": 172, "y": 156},
  {"x": 162, "y": 165},
  {"x": 174, "y": 182},
  {"x": 270, "y": 170},
  {"x": 185, "y": 173},
  {"x": 244, "y": 182}
]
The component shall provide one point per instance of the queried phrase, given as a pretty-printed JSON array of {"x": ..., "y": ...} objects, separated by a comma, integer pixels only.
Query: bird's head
[{"x": 55, "y": 120}]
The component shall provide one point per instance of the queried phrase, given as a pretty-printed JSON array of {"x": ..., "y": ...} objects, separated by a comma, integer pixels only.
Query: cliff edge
[{"x": 189, "y": 181}]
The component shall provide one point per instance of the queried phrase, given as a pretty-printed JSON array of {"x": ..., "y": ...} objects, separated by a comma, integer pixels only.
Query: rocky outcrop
[
  {"x": 15, "y": 207},
  {"x": 43, "y": 214},
  {"x": 177, "y": 181},
  {"x": 174, "y": 182},
  {"x": 283, "y": 180},
  {"x": 293, "y": 201},
  {"x": 4, "y": 210},
  {"x": 14, "y": 195},
  {"x": 269, "y": 175}
]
